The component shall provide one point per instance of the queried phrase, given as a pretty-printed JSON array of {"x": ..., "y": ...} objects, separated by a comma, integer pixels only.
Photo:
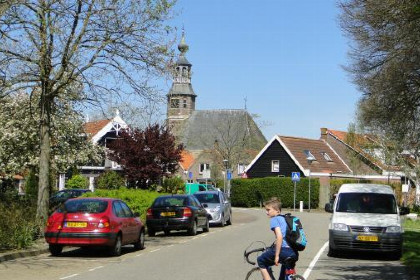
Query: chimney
[{"x": 324, "y": 131}]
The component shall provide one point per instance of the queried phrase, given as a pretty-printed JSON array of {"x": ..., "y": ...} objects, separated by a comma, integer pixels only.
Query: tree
[
  {"x": 101, "y": 48},
  {"x": 19, "y": 149},
  {"x": 146, "y": 155},
  {"x": 384, "y": 64}
]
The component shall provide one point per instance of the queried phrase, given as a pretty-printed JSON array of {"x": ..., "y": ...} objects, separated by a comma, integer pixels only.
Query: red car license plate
[{"x": 76, "y": 224}]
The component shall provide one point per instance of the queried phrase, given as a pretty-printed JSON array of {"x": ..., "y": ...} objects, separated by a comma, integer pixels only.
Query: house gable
[{"x": 262, "y": 164}]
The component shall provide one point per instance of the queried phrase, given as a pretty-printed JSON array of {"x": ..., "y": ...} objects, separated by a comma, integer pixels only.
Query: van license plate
[{"x": 368, "y": 238}]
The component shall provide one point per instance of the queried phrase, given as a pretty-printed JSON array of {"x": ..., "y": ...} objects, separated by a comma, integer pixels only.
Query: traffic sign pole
[{"x": 294, "y": 198}]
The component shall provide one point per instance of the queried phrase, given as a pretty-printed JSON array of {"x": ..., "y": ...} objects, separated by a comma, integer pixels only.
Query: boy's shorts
[{"x": 266, "y": 259}]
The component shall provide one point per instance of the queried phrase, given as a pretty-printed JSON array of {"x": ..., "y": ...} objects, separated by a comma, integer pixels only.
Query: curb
[{"x": 37, "y": 248}]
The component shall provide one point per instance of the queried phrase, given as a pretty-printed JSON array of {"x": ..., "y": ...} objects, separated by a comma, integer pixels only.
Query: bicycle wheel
[
  {"x": 297, "y": 277},
  {"x": 254, "y": 274}
]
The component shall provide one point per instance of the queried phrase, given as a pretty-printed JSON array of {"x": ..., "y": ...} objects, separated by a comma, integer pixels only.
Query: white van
[{"x": 365, "y": 218}]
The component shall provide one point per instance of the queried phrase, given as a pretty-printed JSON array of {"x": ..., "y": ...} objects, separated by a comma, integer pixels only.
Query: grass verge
[{"x": 411, "y": 246}]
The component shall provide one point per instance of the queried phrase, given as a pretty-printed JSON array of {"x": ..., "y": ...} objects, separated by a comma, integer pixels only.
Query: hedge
[
  {"x": 252, "y": 192},
  {"x": 138, "y": 200}
]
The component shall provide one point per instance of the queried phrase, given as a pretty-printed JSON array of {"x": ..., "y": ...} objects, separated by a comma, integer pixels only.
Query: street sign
[
  {"x": 190, "y": 175},
  {"x": 229, "y": 175},
  {"x": 295, "y": 176}
]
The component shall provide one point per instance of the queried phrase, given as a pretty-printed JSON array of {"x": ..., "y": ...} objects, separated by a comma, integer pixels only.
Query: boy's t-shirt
[{"x": 279, "y": 221}]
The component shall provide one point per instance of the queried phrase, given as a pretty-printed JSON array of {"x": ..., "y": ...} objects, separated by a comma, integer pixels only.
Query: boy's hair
[{"x": 274, "y": 202}]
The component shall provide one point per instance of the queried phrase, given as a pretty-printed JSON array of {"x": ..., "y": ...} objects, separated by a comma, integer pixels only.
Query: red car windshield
[{"x": 83, "y": 206}]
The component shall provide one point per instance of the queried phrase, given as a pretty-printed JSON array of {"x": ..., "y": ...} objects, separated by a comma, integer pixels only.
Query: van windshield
[{"x": 378, "y": 203}]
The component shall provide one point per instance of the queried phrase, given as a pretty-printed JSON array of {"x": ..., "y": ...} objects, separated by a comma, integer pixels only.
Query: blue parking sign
[
  {"x": 229, "y": 175},
  {"x": 295, "y": 176}
]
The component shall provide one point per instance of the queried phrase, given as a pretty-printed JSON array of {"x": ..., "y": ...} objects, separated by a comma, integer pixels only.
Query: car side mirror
[
  {"x": 205, "y": 205},
  {"x": 136, "y": 214},
  {"x": 404, "y": 210},
  {"x": 328, "y": 207}
]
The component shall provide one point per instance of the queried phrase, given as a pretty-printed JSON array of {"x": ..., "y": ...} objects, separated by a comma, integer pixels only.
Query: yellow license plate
[
  {"x": 167, "y": 214},
  {"x": 76, "y": 224},
  {"x": 369, "y": 238}
]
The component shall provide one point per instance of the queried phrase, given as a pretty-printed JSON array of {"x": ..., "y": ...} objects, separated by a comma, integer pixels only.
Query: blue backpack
[{"x": 295, "y": 235}]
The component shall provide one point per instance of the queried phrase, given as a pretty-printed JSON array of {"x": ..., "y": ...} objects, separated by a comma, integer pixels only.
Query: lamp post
[{"x": 225, "y": 164}]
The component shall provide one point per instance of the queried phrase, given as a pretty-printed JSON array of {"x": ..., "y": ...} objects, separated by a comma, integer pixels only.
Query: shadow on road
[{"x": 363, "y": 266}]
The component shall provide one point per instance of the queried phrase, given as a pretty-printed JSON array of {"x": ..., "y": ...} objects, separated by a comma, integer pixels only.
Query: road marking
[
  {"x": 138, "y": 255},
  {"x": 313, "y": 262},
  {"x": 171, "y": 245},
  {"x": 68, "y": 276},
  {"x": 155, "y": 250},
  {"x": 95, "y": 268}
]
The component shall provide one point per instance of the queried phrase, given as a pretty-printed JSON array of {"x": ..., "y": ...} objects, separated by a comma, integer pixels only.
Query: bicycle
[{"x": 255, "y": 273}]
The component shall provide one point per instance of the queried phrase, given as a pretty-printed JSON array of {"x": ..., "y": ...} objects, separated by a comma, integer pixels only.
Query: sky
[{"x": 284, "y": 57}]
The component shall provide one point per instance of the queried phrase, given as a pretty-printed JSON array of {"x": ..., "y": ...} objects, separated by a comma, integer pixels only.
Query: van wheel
[{"x": 331, "y": 252}]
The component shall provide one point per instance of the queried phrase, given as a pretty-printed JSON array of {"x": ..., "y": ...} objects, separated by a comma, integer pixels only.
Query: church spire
[{"x": 181, "y": 96}]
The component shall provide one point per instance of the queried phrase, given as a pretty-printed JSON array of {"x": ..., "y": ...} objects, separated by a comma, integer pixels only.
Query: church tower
[{"x": 181, "y": 96}]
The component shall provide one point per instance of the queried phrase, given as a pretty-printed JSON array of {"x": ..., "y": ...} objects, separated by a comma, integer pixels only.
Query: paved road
[{"x": 207, "y": 256}]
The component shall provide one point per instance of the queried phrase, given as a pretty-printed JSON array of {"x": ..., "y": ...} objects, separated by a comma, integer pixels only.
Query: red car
[{"x": 83, "y": 222}]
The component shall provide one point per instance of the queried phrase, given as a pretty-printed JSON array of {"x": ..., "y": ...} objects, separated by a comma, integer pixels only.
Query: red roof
[
  {"x": 187, "y": 160},
  {"x": 362, "y": 140},
  {"x": 326, "y": 160},
  {"x": 92, "y": 128}
]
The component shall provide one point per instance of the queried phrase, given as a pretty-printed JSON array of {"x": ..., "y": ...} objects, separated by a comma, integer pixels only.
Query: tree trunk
[{"x": 44, "y": 162}]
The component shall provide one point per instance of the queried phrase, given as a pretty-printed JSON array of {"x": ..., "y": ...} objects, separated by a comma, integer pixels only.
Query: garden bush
[
  {"x": 18, "y": 226},
  {"x": 252, "y": 192},
  {"x": 173, "y": 185},
  {"x": 110, "y": 180},
  {"x": 77, "y": 182},
  {"x": 138, "y": 200}
]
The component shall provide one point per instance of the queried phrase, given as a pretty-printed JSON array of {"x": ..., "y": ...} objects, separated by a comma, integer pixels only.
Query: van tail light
[
  {"x": 104, "y": 222},
  {"x": 187, "y": 212}
]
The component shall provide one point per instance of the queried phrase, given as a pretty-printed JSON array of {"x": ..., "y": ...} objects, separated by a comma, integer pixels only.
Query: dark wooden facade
[{"x": 262, "y": 167}]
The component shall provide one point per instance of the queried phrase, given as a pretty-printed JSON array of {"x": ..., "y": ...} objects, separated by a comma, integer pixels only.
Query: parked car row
[{"x": 110, "y": 223}]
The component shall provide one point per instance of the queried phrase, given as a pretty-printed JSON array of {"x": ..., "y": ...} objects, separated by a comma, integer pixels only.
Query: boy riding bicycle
[{"x": 280, "y": 250}]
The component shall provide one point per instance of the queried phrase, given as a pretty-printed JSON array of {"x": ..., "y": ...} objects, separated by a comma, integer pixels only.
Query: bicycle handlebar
[{"x": 246, "y": 254}]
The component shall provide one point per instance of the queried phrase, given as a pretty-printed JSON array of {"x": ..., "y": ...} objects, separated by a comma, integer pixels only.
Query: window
[
  {"x": 204, "y": 167},
  {"x": 241, "y": 168},
  {"x": 174, "y": 103},
  {"x": 275, "y": 166},
  {"x": 184, "y": 103},
  {"x": 326, "y": 156},
  {"x": 309, "y": 155}
]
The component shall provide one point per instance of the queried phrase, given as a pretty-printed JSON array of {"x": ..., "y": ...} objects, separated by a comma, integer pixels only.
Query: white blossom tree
[
  {"x": 19, "y": 149},
  {"x": 103, "y": 48}
]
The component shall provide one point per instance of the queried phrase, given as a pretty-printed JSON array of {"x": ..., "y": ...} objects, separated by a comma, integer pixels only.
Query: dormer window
[
  {"x": 326, "y": 157},
  {"x": 309, "y": 155}
]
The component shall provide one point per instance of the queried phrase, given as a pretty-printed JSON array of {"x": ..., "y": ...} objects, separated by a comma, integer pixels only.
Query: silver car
[{"x": 217, "y": 205}]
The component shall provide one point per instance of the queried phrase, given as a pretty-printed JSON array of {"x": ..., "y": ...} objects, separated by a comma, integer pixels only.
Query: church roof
[
  {"x": 181, "y": 89},
  {"x": 206, "y": 128}
]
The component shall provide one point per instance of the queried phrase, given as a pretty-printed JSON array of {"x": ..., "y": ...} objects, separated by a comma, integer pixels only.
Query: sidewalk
[{"x": 39, "y": 247}]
